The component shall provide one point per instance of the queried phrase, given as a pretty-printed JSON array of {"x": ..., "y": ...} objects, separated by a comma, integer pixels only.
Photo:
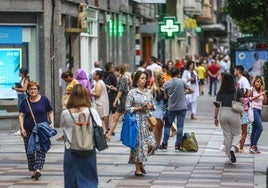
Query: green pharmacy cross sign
[{"x": 169, "y": 27}]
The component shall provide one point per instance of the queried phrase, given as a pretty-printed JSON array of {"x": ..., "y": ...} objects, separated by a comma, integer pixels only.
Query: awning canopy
[{"x": 213, "y": 27}]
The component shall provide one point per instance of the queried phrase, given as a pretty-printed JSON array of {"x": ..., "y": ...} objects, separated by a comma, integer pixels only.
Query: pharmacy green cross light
[{"x": 169, "y": 27}]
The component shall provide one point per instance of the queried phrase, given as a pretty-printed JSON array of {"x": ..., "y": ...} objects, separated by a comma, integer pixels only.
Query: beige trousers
[{"x": 231, "y": 128}]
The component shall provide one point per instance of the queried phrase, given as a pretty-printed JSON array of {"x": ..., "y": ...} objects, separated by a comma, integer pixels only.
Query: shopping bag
[
  {"x": 64, "y": 101},
  {"x": 189, "y": 143},
  {"x": 129, "y": 132},
  {"x": 250, "y": 113}
]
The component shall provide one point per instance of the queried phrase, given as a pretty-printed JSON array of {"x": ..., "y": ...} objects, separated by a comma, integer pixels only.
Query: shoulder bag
[
  {"x": 237, "y": 106},
  {"x": 152, "y": 122},
  {"x": 98, "y": 135}
]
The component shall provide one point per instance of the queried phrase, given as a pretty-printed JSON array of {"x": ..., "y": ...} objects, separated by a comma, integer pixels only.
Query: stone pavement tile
[
  {"x": 203, "y": 184},
  {"x": 206, "y": 168},
  {"x": 133, "y": 181}
]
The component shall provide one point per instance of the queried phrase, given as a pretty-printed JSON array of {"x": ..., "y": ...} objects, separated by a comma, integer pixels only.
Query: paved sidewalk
[{"x": 206, "y": 168}]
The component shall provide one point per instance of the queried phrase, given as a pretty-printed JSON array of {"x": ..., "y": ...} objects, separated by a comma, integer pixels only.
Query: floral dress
[
  {"x": 122, "y": 86},
  {"x": 145, "y": 137}
]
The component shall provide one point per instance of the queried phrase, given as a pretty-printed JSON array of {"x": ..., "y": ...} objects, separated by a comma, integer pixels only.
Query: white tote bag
[{"x": 250, "y": 113}]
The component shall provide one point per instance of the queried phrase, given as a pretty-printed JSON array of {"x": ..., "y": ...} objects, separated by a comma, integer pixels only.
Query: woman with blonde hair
[
  {"x": 258, "y": 99},
  {"x": 127, "y": 75},
  {"x": 157, "y": 91}
]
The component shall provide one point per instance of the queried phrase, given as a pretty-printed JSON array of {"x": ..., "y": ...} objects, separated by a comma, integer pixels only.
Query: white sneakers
[
  {"x": 222, "y": 148},
  {"x": 17, "y": 133}
]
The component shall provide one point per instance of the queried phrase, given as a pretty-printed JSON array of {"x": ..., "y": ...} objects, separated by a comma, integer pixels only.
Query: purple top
[
  {"x": 40, "y": 110},
  {"x": 81, "y": 77}
]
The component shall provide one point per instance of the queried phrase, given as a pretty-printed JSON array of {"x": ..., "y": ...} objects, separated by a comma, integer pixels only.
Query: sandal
[
  {"x": 143, "y": 170},
  {"x": 107, "y": 137}
]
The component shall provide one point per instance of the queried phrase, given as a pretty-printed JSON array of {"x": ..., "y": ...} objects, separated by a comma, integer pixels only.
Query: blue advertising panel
[
  {"x": 246, "y": 58},
  {"x": 10, "y": 63},
  {"x": 10, "y": 35}
]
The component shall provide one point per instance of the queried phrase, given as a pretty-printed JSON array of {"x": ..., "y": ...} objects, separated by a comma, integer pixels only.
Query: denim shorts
[{"x": 244, "y": 119}]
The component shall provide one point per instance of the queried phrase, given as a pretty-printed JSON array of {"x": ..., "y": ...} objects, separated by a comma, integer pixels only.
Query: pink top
[
  {"x": 257, "y": 103},
  {"x": 246, "y": 103}
]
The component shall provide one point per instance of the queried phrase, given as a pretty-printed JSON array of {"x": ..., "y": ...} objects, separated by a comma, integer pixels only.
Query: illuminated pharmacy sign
[{"x": 169, "y": 27}]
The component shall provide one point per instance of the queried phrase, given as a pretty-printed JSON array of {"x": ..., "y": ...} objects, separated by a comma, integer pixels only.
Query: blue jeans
[
  {"x": 257, "y": 127},
  {"x": 213, "y": 82},
  {"x": 180, "y": 114}
]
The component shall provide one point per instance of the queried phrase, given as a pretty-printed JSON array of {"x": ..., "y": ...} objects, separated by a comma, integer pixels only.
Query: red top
[
  {"x": 179, "y": 64},
  {"x": 214, "y": 68}
]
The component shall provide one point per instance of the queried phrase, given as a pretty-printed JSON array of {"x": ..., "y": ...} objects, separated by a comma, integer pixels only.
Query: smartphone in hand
[{"x": 18, "y": 85}]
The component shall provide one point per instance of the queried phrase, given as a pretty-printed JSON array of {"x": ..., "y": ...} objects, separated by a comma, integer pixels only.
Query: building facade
[
  {"x": 55, "y": 37},
  {"x": 52, "y": 36}
]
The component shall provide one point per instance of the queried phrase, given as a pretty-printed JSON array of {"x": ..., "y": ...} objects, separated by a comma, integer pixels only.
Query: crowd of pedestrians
[{"x": 167, "y": 91}]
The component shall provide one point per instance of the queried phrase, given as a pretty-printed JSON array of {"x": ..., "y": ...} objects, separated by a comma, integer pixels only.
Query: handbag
[
  {"x": 189, "y": 142},
  {"x": 237, "y": 106},
  {"x": 64, "y": 101},
  {"x": 98, "y": 135},
  {"x": 129, "y": 132},
  {"x": 188, "y": 102},
  {"x": 250, "y": 113},
  {"x": 152, "y": 122}
]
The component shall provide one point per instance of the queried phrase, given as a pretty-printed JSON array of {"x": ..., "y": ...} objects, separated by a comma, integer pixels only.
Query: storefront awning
[{"x": 213, "y": 27}]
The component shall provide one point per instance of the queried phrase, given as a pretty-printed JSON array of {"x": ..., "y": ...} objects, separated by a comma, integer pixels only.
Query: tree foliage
[{"x": 250, "y": 15}]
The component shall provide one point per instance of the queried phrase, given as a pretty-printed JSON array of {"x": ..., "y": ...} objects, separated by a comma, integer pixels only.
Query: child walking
[{"x": 247, "y": 93}]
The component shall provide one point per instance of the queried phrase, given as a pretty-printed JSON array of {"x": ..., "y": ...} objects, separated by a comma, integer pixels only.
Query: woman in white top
[
  {"x": 78, "y": 171},
  {"x": 21, "y": 87},
  {"x": 101, "y": 100},
  {"x": 190, "y": 76}
]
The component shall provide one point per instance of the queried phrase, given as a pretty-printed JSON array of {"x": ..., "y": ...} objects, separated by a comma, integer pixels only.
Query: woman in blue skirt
[{"x": 78, "y": 171}]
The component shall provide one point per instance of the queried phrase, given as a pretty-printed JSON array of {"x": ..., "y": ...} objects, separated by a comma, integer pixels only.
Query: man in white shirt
[
  {"x": 153, "y": 65},
  {"x": 242, "y": 81},
  {"x": 142, "y": 66}
]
